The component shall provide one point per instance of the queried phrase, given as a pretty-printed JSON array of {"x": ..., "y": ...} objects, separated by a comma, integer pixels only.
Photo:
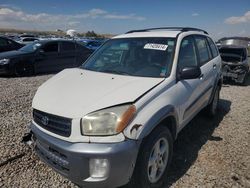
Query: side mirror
[{"x": 189, "y": 73}]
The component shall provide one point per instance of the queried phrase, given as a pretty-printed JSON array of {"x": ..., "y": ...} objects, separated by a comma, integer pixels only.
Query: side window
[
  {"x": 67, "y": 46},
  {"x": 51, "y": 47},
  {"x": 3, "y": 42},
  {"x": 187, "y": 55},
  {"x": 213, "y": 47},
  {"x": 203, "y": 49}
]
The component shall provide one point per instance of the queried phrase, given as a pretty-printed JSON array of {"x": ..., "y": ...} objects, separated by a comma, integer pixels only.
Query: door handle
[
  {"x": 201, "y": 76},
  {"x": 214, "y": 66}
]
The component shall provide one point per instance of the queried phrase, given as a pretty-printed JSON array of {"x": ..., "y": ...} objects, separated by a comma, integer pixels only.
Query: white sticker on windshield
[{"x": 153, "y": 46}]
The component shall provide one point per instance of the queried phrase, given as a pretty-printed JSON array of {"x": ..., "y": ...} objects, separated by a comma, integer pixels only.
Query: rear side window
[
  {"x": 187, "y": 55},
  {"x": 203, "y": 49},
  {"x": 67, "y": 46},
  {"x": 213, "y": 47},
  {"x": 51, "y": 47}
]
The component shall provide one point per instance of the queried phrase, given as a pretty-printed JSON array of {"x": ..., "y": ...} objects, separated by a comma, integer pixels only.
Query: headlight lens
[
  {"x": 109, "y": 121},
  {"x": 4, "y": 61}
]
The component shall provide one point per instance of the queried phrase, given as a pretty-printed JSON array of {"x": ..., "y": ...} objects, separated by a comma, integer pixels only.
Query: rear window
[
  {"x": 203, "y": 49},
  {"x": 213, "y": 47}
]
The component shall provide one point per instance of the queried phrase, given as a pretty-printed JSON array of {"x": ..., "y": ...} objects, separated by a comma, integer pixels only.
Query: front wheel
[
  {"x": 24, "y": 70},
  {"x": 153, "y": 159}
]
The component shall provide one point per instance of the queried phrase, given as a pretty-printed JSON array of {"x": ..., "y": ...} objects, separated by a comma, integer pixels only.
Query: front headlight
[
  {"x": 4, "y": 61},
  {"x": 109, "y": 121}
]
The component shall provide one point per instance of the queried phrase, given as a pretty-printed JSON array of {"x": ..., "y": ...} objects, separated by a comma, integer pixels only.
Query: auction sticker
[{"x": 153, "y": 46}]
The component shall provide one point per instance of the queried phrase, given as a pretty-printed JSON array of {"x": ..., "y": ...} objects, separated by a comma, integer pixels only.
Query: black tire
[
  {"x": 141, "y": 177},
  {"x": 212, "y": 108},
  {"x": 23, "y": 70}
]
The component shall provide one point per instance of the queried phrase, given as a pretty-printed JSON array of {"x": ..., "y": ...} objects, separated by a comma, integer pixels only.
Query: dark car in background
[
  {"x": 7, "y": 44},
  {"x": 43, "y": 57}
]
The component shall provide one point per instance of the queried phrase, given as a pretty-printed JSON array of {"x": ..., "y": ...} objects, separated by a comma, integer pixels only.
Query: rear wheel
[
  {"x": 153, "y": 159},
  {"x": 213, "y": 106}
]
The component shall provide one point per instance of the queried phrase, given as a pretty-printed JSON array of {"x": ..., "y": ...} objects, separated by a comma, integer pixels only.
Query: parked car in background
[
  {"x": 115, "y": 118},
  {"x": 235, "y": 62},
  {"x": 27, "y": 40},
  {"x": 7, "y": 44},
  {"x": 43, "y": 57}
]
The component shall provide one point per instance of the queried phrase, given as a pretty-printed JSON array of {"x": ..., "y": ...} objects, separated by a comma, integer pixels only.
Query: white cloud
[
  {"x": 124, "y": 17},
  {"x": 10, "y": 17},
  {"x": 195, "y": 14},
  {"x": 239, "y": 19}
]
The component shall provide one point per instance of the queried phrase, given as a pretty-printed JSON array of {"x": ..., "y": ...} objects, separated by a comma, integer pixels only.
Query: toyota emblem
[{"x": 45, "y": 120}]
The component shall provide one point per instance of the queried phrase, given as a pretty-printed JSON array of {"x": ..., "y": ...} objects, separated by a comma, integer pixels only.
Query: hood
[
  {"x": 12, "y": 54},
  {"x": 74, "y": 93}
]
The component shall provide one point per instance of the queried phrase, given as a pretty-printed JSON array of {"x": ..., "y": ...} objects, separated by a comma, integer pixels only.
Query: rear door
[
  {"x": 47, "y": 58},
  {"x": 207, "y": 65},
  {"x": 216, "y": 60},
  {"x": 67, "y": 55}
]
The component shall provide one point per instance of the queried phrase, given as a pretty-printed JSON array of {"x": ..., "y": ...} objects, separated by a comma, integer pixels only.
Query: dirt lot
[{"x": 208, "y": 152}]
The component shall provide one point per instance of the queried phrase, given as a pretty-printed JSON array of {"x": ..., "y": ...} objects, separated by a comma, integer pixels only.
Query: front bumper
[
  {"x": 72, "y": 159},
  {"x": 236, "y": 72},
  {"x": 4, "y": 69}
]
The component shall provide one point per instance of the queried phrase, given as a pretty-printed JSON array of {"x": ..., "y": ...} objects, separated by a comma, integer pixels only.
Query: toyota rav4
[{"x": 113, "y": 120}]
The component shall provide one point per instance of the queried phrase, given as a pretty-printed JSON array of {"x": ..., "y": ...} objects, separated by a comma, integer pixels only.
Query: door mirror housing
[{"x": 191, "y": 72}]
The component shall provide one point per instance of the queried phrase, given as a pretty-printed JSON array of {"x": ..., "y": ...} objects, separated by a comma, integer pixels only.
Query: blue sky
[{"x": 219, "y": 17}]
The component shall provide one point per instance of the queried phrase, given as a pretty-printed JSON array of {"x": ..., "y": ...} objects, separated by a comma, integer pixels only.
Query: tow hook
[{"x": 28, "y": 139}]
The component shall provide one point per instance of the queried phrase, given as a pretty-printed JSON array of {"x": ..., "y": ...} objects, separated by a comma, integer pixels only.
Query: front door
[
  {"x": 47, "y": 58},
  {"x": 187, "y": 90}
]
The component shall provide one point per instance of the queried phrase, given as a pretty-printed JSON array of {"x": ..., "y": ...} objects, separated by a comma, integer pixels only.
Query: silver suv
[{"x": 113, "y": 120}]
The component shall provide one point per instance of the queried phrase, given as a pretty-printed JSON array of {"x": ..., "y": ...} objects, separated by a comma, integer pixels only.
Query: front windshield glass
[
  {"x": 31, "y": 47},
  {"x": 146, "y": 57}
]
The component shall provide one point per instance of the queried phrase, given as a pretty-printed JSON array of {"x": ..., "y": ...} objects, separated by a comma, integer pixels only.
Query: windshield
[
  {"x": 31, "y": 47},
  {"x": 146, "y": 57}
]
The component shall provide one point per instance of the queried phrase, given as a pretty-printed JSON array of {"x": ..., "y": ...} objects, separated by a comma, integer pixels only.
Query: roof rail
[{"x": 182, "y": 29}]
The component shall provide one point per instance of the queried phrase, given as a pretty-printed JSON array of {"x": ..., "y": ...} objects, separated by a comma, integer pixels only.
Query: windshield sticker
[{"x": 153, "y": 46}]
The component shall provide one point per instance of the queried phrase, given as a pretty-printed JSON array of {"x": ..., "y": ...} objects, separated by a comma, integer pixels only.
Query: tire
[
  {"x": 152, "y": 164},
  {"x": 23, "y": 70},
  {"x": 212, "y": 108}
]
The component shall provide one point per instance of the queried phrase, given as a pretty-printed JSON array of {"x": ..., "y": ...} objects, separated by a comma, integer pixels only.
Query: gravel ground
[{"x": 208, "y": 152}]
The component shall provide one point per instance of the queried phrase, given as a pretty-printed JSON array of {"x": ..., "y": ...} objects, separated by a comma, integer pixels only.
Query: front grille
[{"x": 55, "y": 124}]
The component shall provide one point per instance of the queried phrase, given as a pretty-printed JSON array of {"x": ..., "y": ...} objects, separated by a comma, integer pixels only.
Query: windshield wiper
[{"x": 116, "y": 72}]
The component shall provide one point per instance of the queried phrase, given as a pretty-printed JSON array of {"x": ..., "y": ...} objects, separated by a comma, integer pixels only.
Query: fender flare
[
  {"x": 165, "y": 112},
  {"x": 218, "y": 82}
]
